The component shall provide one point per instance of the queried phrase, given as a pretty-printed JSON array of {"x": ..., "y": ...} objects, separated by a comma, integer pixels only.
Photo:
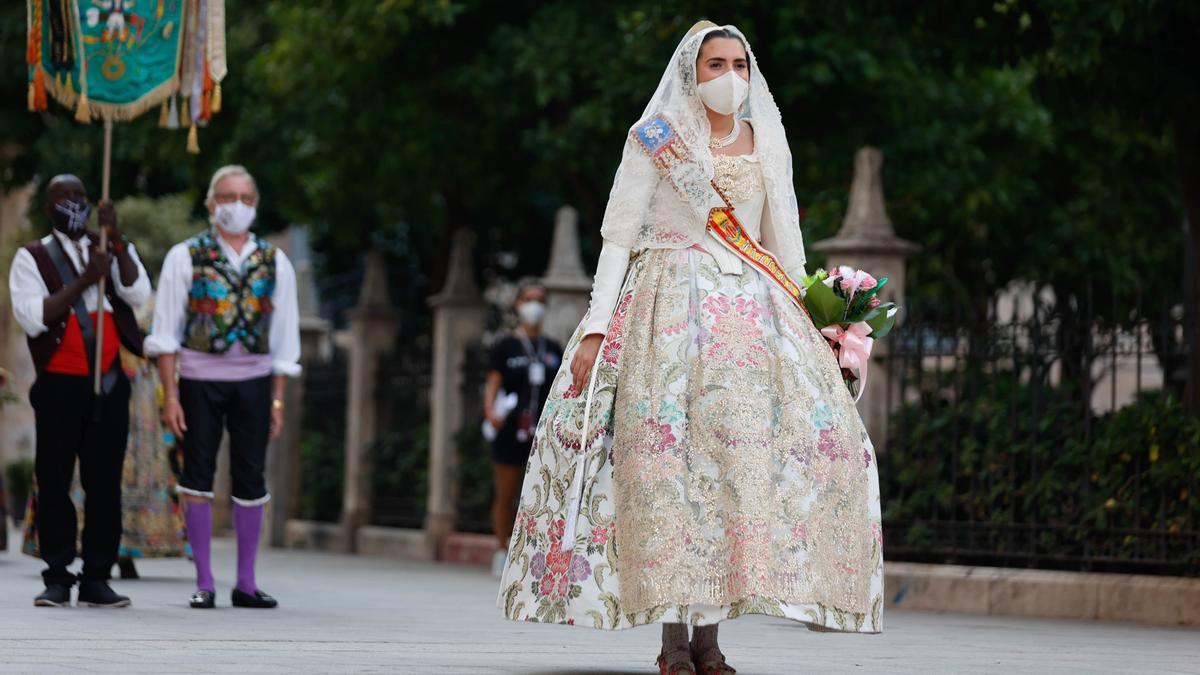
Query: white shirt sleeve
[
  {"x": 606, "y": 288},
  {"x": 170, "y": 306},
  {"x": 284, "y": 335},
  {"x": 28, "y": 292},
  {"x": 138, "y": 292}
]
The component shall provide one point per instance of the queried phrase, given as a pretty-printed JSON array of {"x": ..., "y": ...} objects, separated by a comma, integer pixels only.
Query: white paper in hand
[{"x": 505, "y": 403}]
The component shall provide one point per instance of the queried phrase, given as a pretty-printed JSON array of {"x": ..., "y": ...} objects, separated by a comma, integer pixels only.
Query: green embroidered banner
[{"x": 115, "y": 59}]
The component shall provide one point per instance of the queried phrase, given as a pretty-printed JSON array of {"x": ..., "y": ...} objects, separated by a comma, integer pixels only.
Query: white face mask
[
  {"x": 725, "y": 94},
  {"x": 235, "y": 218},
  {"x": 531, "y": 313}
]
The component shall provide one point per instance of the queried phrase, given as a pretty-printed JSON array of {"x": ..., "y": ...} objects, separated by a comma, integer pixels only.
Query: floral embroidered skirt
[{"x": 725, "y": 470}]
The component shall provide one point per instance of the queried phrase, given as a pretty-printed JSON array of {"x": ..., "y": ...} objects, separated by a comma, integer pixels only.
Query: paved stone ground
[{"x": 355, "y": 614}]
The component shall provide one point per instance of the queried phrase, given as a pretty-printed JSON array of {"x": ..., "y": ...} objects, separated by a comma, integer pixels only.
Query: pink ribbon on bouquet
[{"x": 854, "y": 353}]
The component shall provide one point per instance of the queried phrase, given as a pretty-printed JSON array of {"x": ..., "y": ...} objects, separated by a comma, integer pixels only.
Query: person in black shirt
[{"x": 522, "y": 363}]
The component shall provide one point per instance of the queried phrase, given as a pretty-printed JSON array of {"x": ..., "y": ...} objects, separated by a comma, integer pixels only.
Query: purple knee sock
[
  {"x": 247, "y": 521},
  {"x": 198, "y": 517}
]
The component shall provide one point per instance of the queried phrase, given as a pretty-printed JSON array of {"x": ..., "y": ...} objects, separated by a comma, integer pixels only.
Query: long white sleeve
[
  {"x": 28, "y": 293},
  {"x": 170, "y": 305},
  {"x": 606, "y": 288},
  {"x": 137, "y": 293},
  {"x": 284, "y": 334}
]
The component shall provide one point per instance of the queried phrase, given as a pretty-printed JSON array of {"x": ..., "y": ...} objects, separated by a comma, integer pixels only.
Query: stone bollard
[
  {"x": 867, "y": 241},
  {"x": 568, "y": 286},
  {"x": 372, "y": 332},
  {"x": 459, "y": 313}
]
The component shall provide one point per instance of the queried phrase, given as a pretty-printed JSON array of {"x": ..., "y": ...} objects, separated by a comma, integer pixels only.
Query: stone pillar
[
  {"x": 372, "y": 332},
  {"x": 458, "y": 320},
  {"x": 283, "y": 458},
  {"x": 868, "y": 242},
  {"x": 568, "y": 287}
]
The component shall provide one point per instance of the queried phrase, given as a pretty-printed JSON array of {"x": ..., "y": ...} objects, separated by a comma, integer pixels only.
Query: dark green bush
[
  {"x": 1022, "y": 474},
  {"x": 322, "y": 462}
]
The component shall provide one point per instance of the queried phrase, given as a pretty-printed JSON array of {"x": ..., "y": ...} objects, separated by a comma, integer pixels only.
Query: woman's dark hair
[{"x": 724, "y": 33}]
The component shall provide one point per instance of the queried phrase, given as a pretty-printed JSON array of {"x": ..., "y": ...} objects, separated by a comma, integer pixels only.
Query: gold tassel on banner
[
  {"x": 216, "y": 99},
  {"x": 83, "y": 113},
  {"x": 185, "y": 112},
  {"x": 32, "y": 99},
  {"x": 162, "y": 115},
  {"x": 193, "y": 145}
]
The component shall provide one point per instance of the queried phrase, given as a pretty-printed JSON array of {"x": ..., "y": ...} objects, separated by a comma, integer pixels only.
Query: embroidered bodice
[{"x": 740, "y": 178}]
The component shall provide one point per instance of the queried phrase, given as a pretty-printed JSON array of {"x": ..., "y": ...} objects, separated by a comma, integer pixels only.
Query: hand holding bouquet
[{"x": 844, "y": 304}]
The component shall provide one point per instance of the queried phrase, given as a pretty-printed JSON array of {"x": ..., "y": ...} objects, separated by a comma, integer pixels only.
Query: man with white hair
[{"x": 226, "y": 321}]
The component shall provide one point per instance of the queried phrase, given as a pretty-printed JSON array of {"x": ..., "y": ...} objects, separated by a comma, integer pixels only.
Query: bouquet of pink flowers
[{"x": 845, "y": 305}]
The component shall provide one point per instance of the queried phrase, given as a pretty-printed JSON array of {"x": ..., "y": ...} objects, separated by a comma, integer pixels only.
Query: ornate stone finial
[
  {"x": 373, "y": 294},
  {"x": 867, "y": 215},
  {"x": 566, "y": 265},
  {"x": 866, "y": 229},
  {"x": 460, "y": 283}
]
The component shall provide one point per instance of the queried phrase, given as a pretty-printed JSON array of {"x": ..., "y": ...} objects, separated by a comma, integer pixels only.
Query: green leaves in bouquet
[
  {"x": 823, "y": 303},
  {"x": 881, "y": 319},
  {"x": 828, "y": 308}
]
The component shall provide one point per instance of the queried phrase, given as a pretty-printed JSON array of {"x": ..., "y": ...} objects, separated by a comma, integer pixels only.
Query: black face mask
[{"x": 71, "y": 216}]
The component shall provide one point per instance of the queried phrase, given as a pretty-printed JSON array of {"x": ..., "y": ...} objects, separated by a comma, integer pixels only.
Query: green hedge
[{"x": 985, "y": 475}]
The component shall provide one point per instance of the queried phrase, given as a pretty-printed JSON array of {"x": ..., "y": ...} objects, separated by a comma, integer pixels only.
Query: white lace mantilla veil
[{"x": 677, "y": 99}]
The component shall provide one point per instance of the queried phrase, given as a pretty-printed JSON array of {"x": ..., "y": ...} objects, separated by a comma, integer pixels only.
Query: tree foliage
[{"x": 1022, "y": 139}]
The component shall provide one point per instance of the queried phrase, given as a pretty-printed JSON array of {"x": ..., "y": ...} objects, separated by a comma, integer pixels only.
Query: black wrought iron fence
[
  {"x": 1050, "y": 436},
  {"x": 401, "y": 469},
  {"x": 322, "y": 456}
]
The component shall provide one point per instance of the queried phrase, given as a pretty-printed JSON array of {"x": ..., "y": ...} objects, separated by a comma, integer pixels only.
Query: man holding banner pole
[{"x": 56, "y": 297}]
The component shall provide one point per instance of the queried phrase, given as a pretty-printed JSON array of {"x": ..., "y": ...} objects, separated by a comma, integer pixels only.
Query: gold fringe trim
[
  {"x": 185, "y": 111},
  {"x": 163, "y": 111},
  {"x": 123, "y": 112},
  {"x": 83, "y": 112},
  {"x": 216, "y": 99}
]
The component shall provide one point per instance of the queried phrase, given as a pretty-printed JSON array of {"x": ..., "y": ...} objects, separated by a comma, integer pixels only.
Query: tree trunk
[{"x": 1187, "y": 146}]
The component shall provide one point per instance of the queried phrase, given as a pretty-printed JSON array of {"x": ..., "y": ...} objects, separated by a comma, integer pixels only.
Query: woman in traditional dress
[{"x": 701, "y": 458}]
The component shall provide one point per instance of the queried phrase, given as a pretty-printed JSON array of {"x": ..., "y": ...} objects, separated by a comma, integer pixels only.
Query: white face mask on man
[
  {"x": 234, "y": 218},
  {"x": 531, "y": 313},
  {"x": 724, "y": 94}
]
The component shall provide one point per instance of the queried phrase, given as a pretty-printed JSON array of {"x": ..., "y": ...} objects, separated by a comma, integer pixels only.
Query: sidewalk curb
[
  {"x": 1160, "y": 601},
  {"x": 1047, "y": 594}
]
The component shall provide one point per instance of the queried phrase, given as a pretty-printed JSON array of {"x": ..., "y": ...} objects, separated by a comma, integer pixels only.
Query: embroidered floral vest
[{"x": 225, "y": 307}]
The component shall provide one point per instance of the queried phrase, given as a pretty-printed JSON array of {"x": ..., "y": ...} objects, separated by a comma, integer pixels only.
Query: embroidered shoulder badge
[{"x": 658, "y": 138}]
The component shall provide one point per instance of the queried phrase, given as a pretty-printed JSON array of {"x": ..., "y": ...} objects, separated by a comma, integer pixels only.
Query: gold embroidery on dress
[
  {"x": 739, "y": 177},
  {"x": 740, "y": 493}
]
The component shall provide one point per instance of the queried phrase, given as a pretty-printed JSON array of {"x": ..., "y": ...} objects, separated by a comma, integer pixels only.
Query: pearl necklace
[{"x": 729, "y": 140}]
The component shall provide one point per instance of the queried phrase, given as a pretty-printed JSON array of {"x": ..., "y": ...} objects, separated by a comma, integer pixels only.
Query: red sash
[{"x": 729, "y": 231}]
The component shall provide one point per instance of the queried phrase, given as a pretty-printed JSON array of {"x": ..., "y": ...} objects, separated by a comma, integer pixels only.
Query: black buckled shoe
[
  {"x": 55, "y": 595},
  {"x": 259, "y": 600},
  {"x": 97, "y": 593},
  {"x": 203, "y": 600}
]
